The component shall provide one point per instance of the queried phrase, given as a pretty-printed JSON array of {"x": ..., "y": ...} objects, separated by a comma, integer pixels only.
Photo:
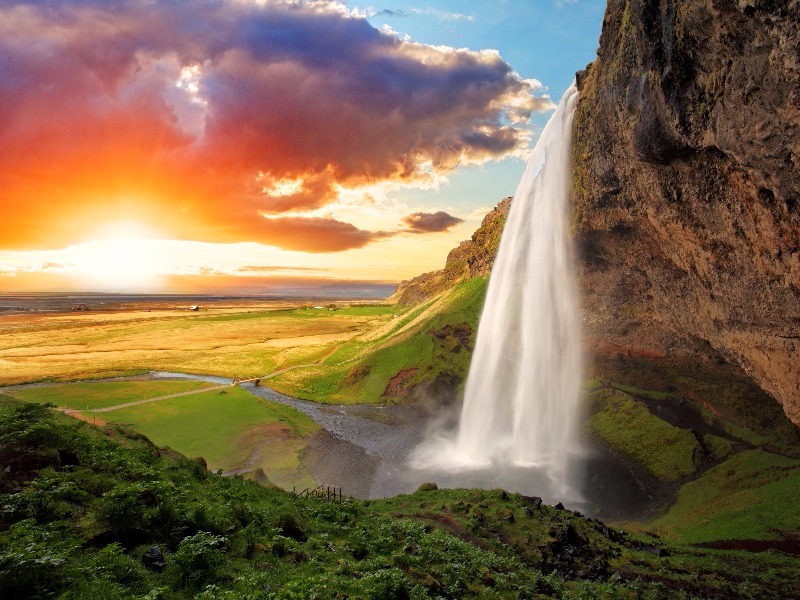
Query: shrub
[{"x": 200, "y": 559}]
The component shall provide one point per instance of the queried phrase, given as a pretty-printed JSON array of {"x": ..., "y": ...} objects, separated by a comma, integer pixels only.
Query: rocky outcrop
[
  {"x": 687, "y": 185},
  {"x": 471, "y": 258}
]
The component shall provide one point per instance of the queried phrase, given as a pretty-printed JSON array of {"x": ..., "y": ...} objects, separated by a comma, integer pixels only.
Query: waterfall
[{"x": 521, "y": 405}]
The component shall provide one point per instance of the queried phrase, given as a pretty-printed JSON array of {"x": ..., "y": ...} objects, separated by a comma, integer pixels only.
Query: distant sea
[{"x": 15, "y": 303}]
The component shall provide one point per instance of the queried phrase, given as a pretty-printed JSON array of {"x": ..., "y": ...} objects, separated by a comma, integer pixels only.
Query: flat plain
[{"x": 247, "y": 340}]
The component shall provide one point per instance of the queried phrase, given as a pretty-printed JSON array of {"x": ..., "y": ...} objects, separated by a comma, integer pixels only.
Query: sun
[{"x": 123, "y": 256}]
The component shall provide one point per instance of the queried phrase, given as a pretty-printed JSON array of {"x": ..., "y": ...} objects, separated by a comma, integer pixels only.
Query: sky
[{"x": 266, "y": 146}]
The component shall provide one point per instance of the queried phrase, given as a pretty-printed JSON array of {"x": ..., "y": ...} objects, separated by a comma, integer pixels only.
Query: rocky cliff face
[
  {"x": 471, "y": 258},
  {"x": 687, "y": 185}
]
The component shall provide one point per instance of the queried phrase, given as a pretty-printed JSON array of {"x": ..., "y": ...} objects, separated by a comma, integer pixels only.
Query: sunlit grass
[
  {"x": 101, "y": 394},
  {"x": 231, "y": 429},
  {"x": 243, "y": 343},
  {"x": 359, "y": 371}
]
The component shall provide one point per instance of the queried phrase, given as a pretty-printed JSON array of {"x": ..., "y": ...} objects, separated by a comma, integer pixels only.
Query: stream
[{"x": 366, "y": 450}]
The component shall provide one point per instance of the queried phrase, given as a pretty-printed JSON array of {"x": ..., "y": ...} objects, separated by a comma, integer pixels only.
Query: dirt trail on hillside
[{"x": 145, "y": 401}]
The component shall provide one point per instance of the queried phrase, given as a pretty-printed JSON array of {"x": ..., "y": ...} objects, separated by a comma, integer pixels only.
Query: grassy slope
[
  {"x": 79, "y": 528},
  {"x": 666, "y": 452},
  {"x": 225, "y": 427},
  {"x": 360, "y": 371},
  {"x": 230, "y": 428},
  {"x": 751, "y": 496}
]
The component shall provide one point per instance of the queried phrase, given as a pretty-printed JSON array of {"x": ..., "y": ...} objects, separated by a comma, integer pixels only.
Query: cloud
[
  {"x": 431, "y": 222},
  {"x": 315, "y": 234},
  {"x": 51, "y": 266},
  {"x": 391, "y": 13},
  {"x": 188, "y": 115},
  {"x": 274, "y": 268},
  {"x": 442, "y": 15}
]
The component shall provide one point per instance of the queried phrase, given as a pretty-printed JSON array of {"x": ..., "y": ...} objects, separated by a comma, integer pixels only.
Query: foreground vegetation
[{"x": 103, "y": 513}]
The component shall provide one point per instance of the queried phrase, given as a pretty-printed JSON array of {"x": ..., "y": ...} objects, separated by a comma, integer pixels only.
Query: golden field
[{"x": 251, "y": 339}]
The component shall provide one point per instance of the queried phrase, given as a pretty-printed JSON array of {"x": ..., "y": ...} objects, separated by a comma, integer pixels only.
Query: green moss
[
  {"x": 718, "y": 447},
  {"x": 752, "y": 495},
  {"x": 666, "y": 452},
  {"x": 720, "y": 392}
]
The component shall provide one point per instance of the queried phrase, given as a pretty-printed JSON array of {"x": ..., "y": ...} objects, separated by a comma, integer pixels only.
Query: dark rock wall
[{"x": 687, "y": 185}]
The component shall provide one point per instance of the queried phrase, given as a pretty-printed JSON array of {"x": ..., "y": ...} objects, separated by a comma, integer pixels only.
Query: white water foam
[{"x": 521, "y": 406}]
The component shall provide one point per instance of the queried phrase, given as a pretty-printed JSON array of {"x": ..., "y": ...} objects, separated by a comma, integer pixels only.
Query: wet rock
[
  {"x": 154, "y": 560},
  {"x": 534, "y": 501}
]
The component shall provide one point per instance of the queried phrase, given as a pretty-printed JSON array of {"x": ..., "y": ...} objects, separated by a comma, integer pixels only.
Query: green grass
[
  {"x": 245, "y": 316},
  {"x": 371, "y": 365},
  {"x": 224, "y": 427},
  {"x": 347, "y": 352},
  {"x": 666, "y": 452},
  {"x": 752, "y": 495},
  {"x": 80, "y": 531},
  {"x": 370, "y": 311},
  {"x": 101, "y": 394},
  {"x": 721, "y": 391}
]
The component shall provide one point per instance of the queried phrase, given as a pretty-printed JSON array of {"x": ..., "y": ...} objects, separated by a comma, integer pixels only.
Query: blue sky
[
  {"x": 543, "y": 39},
  {"x": 547, "y": 40}
]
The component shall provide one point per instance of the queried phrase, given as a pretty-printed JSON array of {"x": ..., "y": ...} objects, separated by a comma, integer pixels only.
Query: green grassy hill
[
  {"x": 103, "y": 513},
  {"x": 424, "y": 349}
]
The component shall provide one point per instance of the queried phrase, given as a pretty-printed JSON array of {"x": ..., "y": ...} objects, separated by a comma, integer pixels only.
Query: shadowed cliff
[{"x": 687, "y": 181}]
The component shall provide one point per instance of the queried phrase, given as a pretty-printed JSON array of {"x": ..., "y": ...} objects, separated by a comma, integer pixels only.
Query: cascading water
[{"x": 521, "y": 406}]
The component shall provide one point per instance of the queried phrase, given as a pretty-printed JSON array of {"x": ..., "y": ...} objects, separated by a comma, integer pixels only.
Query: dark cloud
[
  {"x": 186, "y": 114},
  {"x": 391, "y": 13},
  {"x": 431, "y": 222}
]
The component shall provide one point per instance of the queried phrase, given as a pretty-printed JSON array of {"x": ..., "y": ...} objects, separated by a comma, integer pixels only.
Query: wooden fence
[{"x": 325, "y": 491}]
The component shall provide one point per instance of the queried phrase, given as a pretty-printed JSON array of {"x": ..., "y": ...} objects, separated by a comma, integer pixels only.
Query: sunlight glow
[{"x": 121, "y": 256}]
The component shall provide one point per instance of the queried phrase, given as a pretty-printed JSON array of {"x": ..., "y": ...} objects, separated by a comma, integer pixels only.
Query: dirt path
[{"x": 178, "y": 395}]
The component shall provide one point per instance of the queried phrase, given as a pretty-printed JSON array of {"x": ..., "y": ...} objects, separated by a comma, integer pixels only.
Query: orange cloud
[
  {"x": 312, "y": 234},
  {"x": 184, "y": 115}
]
